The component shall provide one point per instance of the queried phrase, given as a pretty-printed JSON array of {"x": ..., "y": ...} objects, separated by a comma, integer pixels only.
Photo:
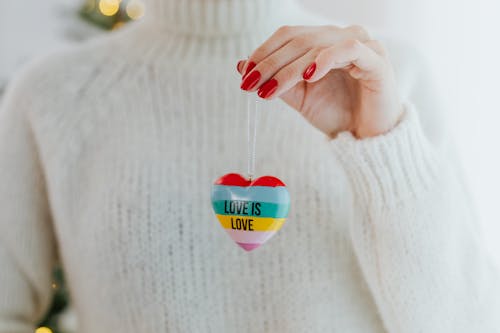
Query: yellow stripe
[{"x": 258, "y": 223}]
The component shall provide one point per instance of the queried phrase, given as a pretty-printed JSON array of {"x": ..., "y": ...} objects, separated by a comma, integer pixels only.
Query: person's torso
[{"x": 130, "y": 154}]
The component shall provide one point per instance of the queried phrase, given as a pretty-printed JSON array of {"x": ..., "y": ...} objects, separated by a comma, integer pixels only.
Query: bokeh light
[
  {"x": 135, "y": 9},
  {"x": 43, "y": 329},
  {"x": 109, "y": 7}
]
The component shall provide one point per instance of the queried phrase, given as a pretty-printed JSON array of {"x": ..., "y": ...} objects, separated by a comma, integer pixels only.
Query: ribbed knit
[
  {"x": 107, "y": 156},
  {"x": 219, "y": 18}
]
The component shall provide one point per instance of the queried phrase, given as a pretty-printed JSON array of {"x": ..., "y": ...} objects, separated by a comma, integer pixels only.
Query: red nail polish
[
  {"x": 308, "y": 73},
  {"x": 251, "y": 80},
  {"x": 241, "y": 62},
  {"x": 268, "y": 88},
  {"x": 250, "y": 66}
]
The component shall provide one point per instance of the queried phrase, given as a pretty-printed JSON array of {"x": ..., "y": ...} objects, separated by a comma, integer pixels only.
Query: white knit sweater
[{"x": 107, "y": 156}]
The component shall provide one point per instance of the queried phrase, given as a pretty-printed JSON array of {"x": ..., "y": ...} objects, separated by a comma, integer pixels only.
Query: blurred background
[{"x": 458, "y": 38}]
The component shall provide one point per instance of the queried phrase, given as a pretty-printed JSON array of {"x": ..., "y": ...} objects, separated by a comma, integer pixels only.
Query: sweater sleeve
[
  {"x": 27, "y": 251},
  {"x": 415, "y": 235}
]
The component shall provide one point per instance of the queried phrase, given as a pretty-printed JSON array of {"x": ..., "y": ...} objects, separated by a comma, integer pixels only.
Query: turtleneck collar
[
  {"x": 201, "y": 31},
  {"x": 217, "y": 17}
]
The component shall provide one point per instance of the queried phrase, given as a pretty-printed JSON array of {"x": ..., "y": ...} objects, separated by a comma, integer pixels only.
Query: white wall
[{"x": 31, "y": 28}]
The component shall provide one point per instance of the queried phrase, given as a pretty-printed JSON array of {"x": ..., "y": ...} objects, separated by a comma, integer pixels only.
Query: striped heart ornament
[{"x": 251, "y": 212}]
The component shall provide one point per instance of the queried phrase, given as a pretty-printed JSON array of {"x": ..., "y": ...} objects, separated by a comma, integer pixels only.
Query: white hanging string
[{"x": 251, "y": 134}]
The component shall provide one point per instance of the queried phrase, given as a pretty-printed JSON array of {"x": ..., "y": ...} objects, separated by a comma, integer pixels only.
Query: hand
[{"x": 337, "y": 78}]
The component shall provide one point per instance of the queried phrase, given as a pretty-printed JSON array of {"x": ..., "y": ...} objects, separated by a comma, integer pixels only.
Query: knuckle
[
  {"x": 284, "y": 30},
  {"x": 377, "y": 47},
  {"x": 302, "y": 41},
  {"x": 352, "y": 44},
  {"x": 317, "y": 50},
  {"x": 358, "y": 31},
  {"x": 333, "y": 28},
  {"x": 319, "y": 53}
]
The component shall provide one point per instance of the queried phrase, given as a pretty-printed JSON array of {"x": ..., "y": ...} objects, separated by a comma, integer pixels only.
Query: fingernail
[
  {"x": 308, "y": 73},
  {"x": 268, "y": 88},
  {"x": 250, "y": 66},
  {"x": 241, "y": 62},
  {"x": 251, "y": 80}
]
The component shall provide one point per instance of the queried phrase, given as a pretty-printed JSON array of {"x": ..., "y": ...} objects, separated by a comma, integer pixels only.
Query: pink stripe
[
  {"x": 248, "y": 246},
  {"x": 254, "y": 237}
]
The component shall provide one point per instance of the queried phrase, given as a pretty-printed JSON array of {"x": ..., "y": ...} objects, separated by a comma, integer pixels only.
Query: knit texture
[{"x": 107, "y": 156}]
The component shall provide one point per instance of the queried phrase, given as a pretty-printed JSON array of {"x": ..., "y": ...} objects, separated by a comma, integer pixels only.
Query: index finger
[
  {"x": 327, "y": 34},
  {"x": 279, "y": 38}
]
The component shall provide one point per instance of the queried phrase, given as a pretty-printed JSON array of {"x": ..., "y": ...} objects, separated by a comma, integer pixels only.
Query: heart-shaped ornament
[{"x": 251, "y": 212}]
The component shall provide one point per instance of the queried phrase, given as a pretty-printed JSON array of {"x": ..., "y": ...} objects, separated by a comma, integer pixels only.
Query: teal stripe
[
  {"x": 277, "y": 194},
  {"x": 266, "y": 209}
]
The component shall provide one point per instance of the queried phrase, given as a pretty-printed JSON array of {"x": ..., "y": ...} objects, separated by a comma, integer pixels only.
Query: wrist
[{"x": 373, "y": 131}]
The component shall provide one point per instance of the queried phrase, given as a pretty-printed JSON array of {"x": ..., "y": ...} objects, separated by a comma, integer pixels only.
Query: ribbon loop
[{"x": 252, "y": 106}]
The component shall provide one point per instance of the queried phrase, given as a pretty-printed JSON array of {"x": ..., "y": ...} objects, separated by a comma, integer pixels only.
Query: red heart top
[{"x": 235, "y": 179}]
